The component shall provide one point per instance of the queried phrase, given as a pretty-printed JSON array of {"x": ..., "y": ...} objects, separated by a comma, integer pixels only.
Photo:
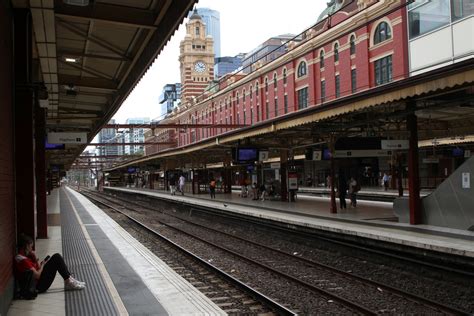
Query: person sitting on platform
[{"x": 44, "y": 272}]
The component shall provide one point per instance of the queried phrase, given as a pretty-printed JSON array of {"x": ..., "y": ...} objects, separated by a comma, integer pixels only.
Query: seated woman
[{"x": 44, "y": 272}]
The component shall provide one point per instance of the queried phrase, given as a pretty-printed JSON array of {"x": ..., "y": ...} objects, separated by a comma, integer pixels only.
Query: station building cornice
[{"x": 457, "y": 75}]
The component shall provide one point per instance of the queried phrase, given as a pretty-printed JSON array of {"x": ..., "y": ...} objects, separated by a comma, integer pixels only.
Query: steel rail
[
  {"x": 278, "y": 308},
  {"x": 408, "y": 295},
  {"x": 352, "y": 305}
]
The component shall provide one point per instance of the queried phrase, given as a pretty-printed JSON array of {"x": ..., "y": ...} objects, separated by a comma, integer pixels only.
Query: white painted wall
[
  {"x": 442, "y": 47},
  {"x": 463, "y": 34}
]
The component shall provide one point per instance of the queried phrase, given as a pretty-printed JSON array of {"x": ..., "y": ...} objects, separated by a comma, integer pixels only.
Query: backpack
[{"x": 27, "y": 286}]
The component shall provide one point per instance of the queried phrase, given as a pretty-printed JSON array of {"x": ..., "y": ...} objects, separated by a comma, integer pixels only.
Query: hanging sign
[
  {"x": 317, "y": 154},
  {"x": 275, "y": 165},
  {"x": 361, "y": 153},
  {"x": 67, "y": 138},
  {"x": 393, "y": 144},
  {"x": 263, "y": 155}
]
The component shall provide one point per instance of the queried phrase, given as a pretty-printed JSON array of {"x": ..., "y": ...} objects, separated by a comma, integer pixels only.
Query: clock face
[{"x": 200, "y": 66}]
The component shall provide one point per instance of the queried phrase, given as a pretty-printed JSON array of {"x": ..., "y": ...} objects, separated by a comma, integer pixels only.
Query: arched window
[
  {"x": 321, "y": 59},
  {"x": 336, "y": 52},
  {"x": 302, "y": 69},
  {"x": 251, "y": 92},
  {"x": 382, "y": 33},
  {"x": 237, "y": 97},
  {"x": 243, "y": 96},
  {"x": 256, "y": 88},
  {"x": 266, "y": 84},
  {"x": 284, "y": 76},
  {"x": 352, "y": 45},
  {"x": 275, "y": 80}
]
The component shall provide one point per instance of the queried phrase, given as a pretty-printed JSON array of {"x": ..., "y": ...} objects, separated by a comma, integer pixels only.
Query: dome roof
[
  {"x": 332, "y": 7},
  {"x": 195, "y": 16}
]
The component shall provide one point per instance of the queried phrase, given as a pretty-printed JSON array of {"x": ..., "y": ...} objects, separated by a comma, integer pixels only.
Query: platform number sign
[{"x": 466, "y": 180}]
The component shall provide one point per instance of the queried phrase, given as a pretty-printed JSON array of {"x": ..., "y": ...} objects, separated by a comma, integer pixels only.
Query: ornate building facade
[
  {"x": 196, "y": 59},
  {"x": 362, "y": 45}
]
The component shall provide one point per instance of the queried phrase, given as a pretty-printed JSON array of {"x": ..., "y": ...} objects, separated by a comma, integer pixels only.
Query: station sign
[
  {"x": 431, "y": 160},
  {"x": 362, "y": 153},
  {"x": 275, "y": 165},
  {"x": 393, "y": 144},
  {"x": 317, "y": 154},
  {"x": 67, "y": 138},
  {"x": 263, "y": 155}
]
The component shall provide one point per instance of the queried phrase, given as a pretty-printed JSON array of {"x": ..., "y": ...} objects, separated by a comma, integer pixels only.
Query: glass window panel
[
  {"x": 352, "y": 45},
  {"x": 428, "y": 17},
  {"x": 461, "y": 9}
]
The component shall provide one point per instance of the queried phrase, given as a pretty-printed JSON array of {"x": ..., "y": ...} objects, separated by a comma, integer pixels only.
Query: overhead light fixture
[
  {"x": 70, "y": 60},
  {"x": 81, "y": 3},
  {"x": 70, "y": 89}
]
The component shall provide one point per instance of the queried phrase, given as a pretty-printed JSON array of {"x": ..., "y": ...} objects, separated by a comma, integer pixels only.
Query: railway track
[
  {"x": 231, "y": 295},
  {"x": 336, "y": 285}
]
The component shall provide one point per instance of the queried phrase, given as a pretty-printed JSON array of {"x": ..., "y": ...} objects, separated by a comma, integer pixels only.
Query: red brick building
[{"x": 361, "y": 46}]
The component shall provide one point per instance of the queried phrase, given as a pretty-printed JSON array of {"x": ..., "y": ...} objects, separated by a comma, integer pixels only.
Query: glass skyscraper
[{"x": 213, "y": 26}]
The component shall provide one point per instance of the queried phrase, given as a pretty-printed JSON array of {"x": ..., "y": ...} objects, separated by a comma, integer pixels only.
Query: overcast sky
[{"x": 245, "y": 24}]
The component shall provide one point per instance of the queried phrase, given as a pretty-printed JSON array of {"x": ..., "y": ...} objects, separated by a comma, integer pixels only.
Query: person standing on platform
[
  {"x": 182, "y": 181},
  {"x": 255, "y": 191},
  {"x": 328, "y": 182},
  {"x": 212, "y": 188},
  {"x": 342, "y": 191},
  {"x": 243, "y": 188},
  {"x": 263, "y": 191},
  {"x": 353, "y": 188},
  {"x": 173, "y": 185},
  {"x": 385, "y": 180},
  {"x": 43, "y": 272}
]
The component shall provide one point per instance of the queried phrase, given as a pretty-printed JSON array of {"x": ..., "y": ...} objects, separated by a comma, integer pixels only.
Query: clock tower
[{"x": 196, "y": 59}]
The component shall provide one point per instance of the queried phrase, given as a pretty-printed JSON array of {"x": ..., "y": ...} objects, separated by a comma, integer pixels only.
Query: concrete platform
[
  {"x": 122, "y": 271},
  {"x": 370, "y": 219}
]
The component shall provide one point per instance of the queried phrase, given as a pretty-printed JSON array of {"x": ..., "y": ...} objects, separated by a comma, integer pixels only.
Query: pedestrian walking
[{"x": 182, "y": 181}]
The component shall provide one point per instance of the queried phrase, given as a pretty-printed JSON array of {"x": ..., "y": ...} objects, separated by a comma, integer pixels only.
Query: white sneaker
[
  {"x": 73, "y": 284},
  {"x": 81, "y": 282}
]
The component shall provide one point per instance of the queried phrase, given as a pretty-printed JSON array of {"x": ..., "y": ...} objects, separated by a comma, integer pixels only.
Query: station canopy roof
[{"x": 91, "y": 54}]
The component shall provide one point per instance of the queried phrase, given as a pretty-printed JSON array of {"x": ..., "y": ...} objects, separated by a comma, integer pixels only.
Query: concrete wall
[
  {"x": 7, "y": 195},
  {"x": 450, "y": 205}
]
